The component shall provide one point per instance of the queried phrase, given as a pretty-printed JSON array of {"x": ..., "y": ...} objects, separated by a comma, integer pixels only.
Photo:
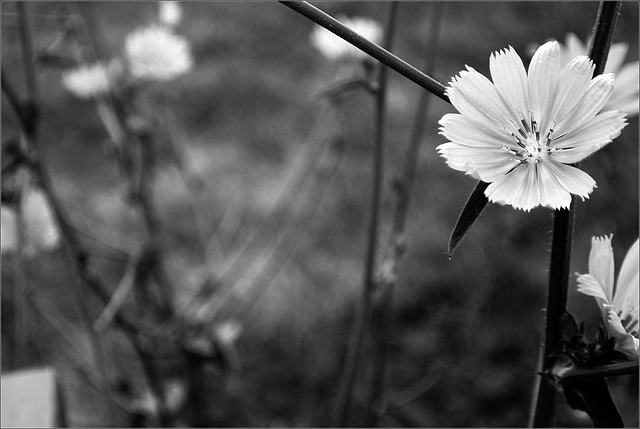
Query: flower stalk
[
  {"x": 377, "y": 52},
  {"x": 364, "y": 315},
  {"x": 563, "y": 227},
  {"x": 27, "y": 114}
]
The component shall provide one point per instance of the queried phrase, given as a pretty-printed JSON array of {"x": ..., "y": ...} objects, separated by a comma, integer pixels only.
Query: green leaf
[
  {"x": 592, "y": 396},
  {"x": 471, "y": 211}
]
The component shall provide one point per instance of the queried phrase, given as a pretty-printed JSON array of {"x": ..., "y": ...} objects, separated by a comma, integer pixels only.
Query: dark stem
[
  {"x": 563, "y": 226},
  {"x": 363, "y": 318},
  {"x": 623, "y": 368},
  {"x": 380, "y": 54}
]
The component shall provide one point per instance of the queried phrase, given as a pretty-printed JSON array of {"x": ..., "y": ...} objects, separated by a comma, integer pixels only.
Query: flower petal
[
  {"x": 625, "y": 297},
  {"x": 588, "y": 139},
  {"x": 543, "y": 79},
  {"x": 477, "y": 98},
  {"x": 518, "y": 188},
  {"x": 510, "y": 78},
  {"x": 552, "y": 193},
  {"x": 625, "y": 342},
  {"x": 601, "y": 265},
  {"x": 461, "y": 130},
  {"x": 597, "y": 94},
  {"x": 588, "y": 285},
  {"x": 625, "y": 93},
  {"x": 572, "y": 84},
  {"x": 617, "y": 54},
  {"x": 484, "y": 163},
  {"x": 572, "y": 179}
]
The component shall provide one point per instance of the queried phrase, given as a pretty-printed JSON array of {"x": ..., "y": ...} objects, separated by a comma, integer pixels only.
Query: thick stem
[
  {"x": 363, "y": 318},
  {"x": 380, "y": 54},
  {"x": 563, "y": 225}
]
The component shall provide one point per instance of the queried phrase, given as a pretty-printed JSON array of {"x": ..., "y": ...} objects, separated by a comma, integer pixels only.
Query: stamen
[
  {"x": 524, "y": 122},
  {"x": 515, "y": 137},
  {"x": 551, "y": 132},
  {"x": 509, "y": 150}
]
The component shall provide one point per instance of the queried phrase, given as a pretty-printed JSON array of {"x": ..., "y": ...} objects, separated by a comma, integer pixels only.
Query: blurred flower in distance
[
  {"x": 41, "y": 233},
  {"x": 619, "y": 306},
  {"x": 87, "y": 81},
  {"x": 154, "y": 53},
  {"x": 8, "y": 230},
  {"x": 625, "y": 91},
  {"x": 170, "y": 13},
  {"x": 522, "y": 132},
  {"x": 334, "y": 47}
]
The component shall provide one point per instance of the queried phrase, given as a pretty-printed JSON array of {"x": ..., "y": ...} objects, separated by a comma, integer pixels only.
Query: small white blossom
[
  {"x": 334, "y": 47},
  {"x": 9, "y": 230},
  {"x": 619, "y": 306},
  {"x": 625, "y": 91},
  {"x": 170, "y": 13},
  {"x": 87, "y": 81},
  {"x": 522, "y": 132},
  {"x": 154, "y": 53},
  {"x": 41, "y": 233}
]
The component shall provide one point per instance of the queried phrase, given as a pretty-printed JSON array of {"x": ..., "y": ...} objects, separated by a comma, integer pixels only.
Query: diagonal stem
[
  {"x": 377, "y": 52},
  {"x": 563, "y": 225}
]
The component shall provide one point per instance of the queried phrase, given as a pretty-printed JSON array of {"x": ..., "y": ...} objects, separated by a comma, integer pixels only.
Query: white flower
[
  {"x": 619, "y": 306},
  {"x": 625, "y": 92},
  {"x": 334, "y": 47},
  {"x": 521, "y": 132},
  {"x": 155, "y": 53},
  {"x": 87, "y": 81},
  {"x": 41, "y": 232},
  {"x": 170, "y": 13},
  {"x": 8, "y": 230}
]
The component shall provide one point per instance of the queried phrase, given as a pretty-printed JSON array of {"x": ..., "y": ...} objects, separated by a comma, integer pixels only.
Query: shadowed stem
[
  {"x": 563, "y": 225},
  {"x": 29, "y": 123},
  {"x": 363, "y": 318},
  {"x": 397, "y": 243},
  {"x": 380, "y": 54}
]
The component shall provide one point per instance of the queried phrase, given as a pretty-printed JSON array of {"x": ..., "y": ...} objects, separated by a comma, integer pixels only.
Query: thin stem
[
  {"x": 363, "y": 318},
  {"x": 563, "y": 226},
  {"x": 380, "y": 54},
  {"x": 397, "y": 243},
  {"x": 29, "y": 128}
]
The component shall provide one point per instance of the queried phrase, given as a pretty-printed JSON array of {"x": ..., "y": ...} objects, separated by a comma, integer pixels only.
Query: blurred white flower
[
  {"x": 625, "y": 92},
  {"x": 87, "y": 81},
  {"x": 170, "y": 13},
  {"x": 9, "y": 230},
  {"x": 521, "y": 132},
  {"x": 228, "y": 331},
  {"x": 41, "y": 232},
  {"x": 619, "y": 306},
  {"x": 334, "y": 47},
  {"x": 155, "y": 53}
]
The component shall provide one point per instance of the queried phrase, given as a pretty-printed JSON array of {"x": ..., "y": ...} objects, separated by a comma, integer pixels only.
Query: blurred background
[{"x": 277, "y": 187}]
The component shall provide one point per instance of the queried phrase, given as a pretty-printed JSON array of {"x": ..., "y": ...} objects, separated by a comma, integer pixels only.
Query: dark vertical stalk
[
  {"x": 563, "y": 226},
  {"x": 363, "y": 319}
]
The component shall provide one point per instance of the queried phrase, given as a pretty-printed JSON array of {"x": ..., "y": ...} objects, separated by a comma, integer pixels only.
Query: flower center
[{"x": 533, "y": 148}]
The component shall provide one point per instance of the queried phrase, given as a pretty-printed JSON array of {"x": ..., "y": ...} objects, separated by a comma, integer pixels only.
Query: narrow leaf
[{"x": 471, "y": 211}]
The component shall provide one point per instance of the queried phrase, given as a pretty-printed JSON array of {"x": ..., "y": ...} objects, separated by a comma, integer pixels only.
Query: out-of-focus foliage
[{"x": 465, "y": 332}]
